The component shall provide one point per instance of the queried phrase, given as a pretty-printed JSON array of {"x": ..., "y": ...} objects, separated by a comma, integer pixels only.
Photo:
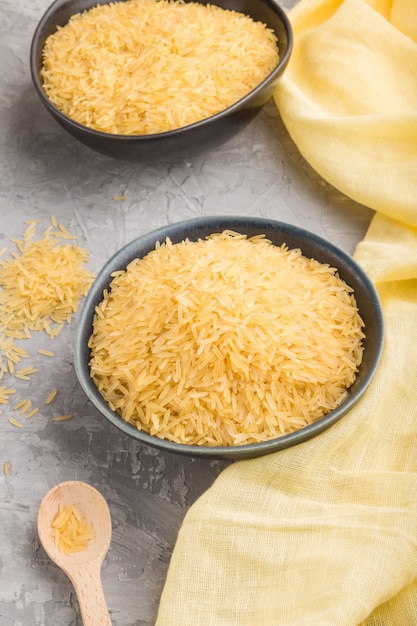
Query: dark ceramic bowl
[
  {"x": 183, "y": 142},
  {"x": 312, "y": 246}
]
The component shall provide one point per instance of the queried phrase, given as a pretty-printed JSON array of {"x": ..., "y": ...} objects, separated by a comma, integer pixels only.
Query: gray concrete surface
[{"x": 44, "y": 172}]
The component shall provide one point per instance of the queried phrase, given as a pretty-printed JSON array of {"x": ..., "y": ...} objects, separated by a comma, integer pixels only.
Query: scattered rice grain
[
  {"x": 5, "y": 392},
  {"x": 62, "y": 418},
  {"x": 46, "y": 352},
  {"x": 26, "y": 372},
  {"x": 15, "y": 422},
  {"x": 41, "y": 285},
  {"x": 51, "y": 396},
  {"x": 40, "y": 288},
  {"x": 24, "y": 406},
  {"x": 31, "y": 413}
]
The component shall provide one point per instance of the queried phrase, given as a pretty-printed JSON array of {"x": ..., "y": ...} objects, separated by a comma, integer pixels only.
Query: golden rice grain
[
  {"x": 146, "y": 66},
  {"x": 19, "y": 404},
  {"x": 31, "y": 413},
  {"x": 15, "y": 422},
  {"x": 51, "y": 396},
  {"x": 225, "y": 341},
  {"x": 62, "y": 418},
  {"x": 46, "y": 352}
]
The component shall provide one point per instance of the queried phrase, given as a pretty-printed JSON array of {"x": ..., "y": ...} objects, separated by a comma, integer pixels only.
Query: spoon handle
[{"x": 89, "y": 590}]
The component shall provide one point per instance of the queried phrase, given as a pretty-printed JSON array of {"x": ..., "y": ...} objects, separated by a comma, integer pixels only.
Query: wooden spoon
[{"x": 82, "y": 568}]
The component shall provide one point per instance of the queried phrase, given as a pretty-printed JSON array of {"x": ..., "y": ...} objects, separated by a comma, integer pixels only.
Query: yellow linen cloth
[
  {"x": 325, "y": 533},
  {"x": 349, "y": 98}
]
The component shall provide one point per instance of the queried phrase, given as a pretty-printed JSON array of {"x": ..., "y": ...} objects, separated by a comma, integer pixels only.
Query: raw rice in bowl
[
  {"x": 147, "y": 77},
  {"x": 228, "y": 338}
]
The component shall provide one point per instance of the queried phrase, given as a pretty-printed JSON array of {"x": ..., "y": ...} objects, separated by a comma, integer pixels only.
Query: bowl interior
[
  {"x": 186, "y": 141},
  {"x": 278, "y": 232}
]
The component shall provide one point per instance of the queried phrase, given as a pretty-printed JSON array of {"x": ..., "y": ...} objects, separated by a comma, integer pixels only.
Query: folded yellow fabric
[
  {"x": 349, "y": 98},
  {"x": 325, "y": 533}
]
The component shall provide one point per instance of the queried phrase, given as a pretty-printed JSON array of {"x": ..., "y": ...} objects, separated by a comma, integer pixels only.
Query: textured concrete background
[{"x": 44, "y": 172}]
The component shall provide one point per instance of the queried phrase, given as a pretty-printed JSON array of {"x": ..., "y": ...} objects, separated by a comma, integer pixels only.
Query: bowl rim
[
  {"x": 250, "y": 450},
  {"x": 230, "y": 110}
]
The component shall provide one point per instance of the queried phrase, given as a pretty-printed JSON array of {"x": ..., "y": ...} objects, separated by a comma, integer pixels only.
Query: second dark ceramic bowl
[
  {"x": 311, "y": 246},
  {"x": 183, "y": 142}
]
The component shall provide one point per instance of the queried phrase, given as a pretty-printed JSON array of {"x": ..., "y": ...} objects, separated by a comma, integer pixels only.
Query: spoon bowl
[{"x": 82, "y": 568}]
